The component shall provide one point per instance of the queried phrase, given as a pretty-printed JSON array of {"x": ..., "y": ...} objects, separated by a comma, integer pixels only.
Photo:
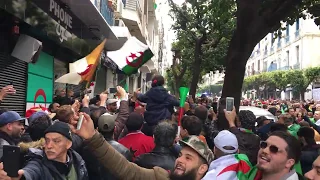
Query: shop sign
[{"x": 64, "y": 20}]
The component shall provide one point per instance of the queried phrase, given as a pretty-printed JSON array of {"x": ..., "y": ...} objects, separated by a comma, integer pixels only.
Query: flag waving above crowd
[
  {"x": 83, "y": 69},
  {"x": 131, "y": 56}
]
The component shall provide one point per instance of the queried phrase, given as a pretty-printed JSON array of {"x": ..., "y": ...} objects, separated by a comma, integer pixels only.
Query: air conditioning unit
[{"x": 119, "y": 22}]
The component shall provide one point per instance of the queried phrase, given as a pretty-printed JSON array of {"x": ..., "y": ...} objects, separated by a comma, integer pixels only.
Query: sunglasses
[{"x": 273, "y": 149}]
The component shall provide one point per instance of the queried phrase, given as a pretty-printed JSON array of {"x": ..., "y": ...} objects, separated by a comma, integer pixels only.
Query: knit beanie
[{"x": 61, "y": 128}]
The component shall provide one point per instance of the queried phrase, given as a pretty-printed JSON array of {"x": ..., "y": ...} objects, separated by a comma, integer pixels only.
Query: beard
[{"x": 188, "y": 175}]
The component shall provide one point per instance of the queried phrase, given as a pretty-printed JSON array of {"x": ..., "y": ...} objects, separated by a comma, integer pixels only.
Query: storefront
[{"x": 66, "y": 34}]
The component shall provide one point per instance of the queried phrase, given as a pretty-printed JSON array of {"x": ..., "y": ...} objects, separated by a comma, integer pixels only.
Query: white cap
[
  {"x": 111, "y": 101},
  {"x": 226, "y": 138}
]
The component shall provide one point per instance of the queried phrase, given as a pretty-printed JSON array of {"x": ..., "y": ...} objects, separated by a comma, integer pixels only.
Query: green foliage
[
  {"x": 298, "y": 79},
  {"x": 205, "y": 24}
]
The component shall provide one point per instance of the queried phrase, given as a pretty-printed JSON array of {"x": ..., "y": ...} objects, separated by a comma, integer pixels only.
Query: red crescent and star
[{"x": 134, "y": 56}]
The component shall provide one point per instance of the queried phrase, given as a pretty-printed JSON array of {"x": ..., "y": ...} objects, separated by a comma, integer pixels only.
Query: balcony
[{"x": 133, "y": 19}]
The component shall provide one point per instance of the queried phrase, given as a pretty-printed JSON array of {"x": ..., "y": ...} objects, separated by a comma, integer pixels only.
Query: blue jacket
[{"x": 160, "y": 105}]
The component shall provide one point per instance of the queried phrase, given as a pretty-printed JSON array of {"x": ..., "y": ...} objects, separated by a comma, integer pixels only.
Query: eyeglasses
[{"x": 273, "y": 149}]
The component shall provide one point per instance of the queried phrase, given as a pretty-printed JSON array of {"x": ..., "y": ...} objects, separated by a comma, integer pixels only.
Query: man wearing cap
[
  {"x": 57, "y": 161},
  {"x": 192, "y": 163},
  {"x": 227, "y": 162},
  {"x": 11, "y": 129},
  {"x": 106, "y": 126},
  {"x": 112, "y": 105}
]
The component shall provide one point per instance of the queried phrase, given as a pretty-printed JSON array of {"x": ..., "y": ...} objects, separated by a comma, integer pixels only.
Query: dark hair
[
  {"x": 308, "y": 134},
  {"x": 38, "y": 127},
  {"x": 95, "y": 114},
  {"x": 293, "y": 148},
  {"x": 273, "y": 110},
  {"x": 157, "y": 80},
  {"x": 278, "y": 127},
  {"x": 201, "y": 112},
  {"x": 164, "y": 134},
  {"x": 64, "y": 113},
  {"x": 134, "y": 122},
  {"x": 51, "y": 106},
  {"x": 192, "y": 124}
]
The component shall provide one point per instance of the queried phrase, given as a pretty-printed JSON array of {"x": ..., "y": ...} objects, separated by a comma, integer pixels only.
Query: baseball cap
[
  {"x": 111, "y": 101},
  {"x": 199, "y": 146},
  {"x": 10, "y": 117},
  {"x": 106, "y": 122},
  {"x": 226, "y": 138}
]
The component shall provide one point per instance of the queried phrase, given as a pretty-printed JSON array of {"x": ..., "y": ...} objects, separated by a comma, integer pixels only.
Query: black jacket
[
  {"x": 308, "y": 155},
  {"x": 95, "y": 169},
  {"x": 160, "y": 105},
  {"x": 38, "y": 167},
  {"x": 160, "y": 156},
  {"x": 5, "y": 139}
]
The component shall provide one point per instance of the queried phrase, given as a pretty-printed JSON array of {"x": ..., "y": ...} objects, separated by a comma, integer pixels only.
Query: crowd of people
[{"x": 137, "y": 137}]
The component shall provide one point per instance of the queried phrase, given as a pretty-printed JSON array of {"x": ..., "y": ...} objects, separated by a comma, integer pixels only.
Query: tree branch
[
  {"x": 279, "y": 12},
  {"x": 176, "y": 9}
]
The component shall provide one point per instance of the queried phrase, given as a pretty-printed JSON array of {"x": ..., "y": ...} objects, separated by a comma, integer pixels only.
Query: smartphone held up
[
  {"x": 11, "y": 160},
  {"x": 229, "y": 103}
]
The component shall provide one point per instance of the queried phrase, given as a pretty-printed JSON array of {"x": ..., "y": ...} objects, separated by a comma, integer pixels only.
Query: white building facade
[
  {"x": 297, "y": 48},
  {"x": 133, "y": 18}
]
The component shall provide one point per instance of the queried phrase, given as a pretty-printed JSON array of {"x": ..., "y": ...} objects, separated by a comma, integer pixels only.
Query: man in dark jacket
[
  {"x": 106, "y": 126},
  {"x": 57, "y": 161},
  {"x": 249, "y": 142},
  {"x": 11, "y": 129},
  {"x": 163, "y": 154}
]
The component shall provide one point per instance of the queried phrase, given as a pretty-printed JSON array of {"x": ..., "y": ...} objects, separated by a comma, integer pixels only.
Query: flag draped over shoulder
[
  {"x": 229, "y": 167},
  {"x": 131, "y": 56},
  {"x": 83, "y": 69}
]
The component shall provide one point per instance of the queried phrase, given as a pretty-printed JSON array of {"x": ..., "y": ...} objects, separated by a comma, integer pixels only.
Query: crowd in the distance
[{"x": 137, "y": 137}]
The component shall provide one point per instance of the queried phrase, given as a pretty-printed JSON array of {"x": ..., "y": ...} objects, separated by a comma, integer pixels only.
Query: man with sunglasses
[{"x": 276, "y": 158}]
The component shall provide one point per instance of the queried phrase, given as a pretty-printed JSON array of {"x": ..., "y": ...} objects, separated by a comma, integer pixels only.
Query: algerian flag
[
  {"x": 83, "y": 69},
  {"x": 131, "y": 56},
  {"x": 229, "y": 167}
]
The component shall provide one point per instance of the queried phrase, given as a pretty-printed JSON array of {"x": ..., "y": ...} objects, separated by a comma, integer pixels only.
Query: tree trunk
[
  {"x": 196, "y": 68},
  {"x": 177, "y": 86},
  {"x": 302, "y": 95}
]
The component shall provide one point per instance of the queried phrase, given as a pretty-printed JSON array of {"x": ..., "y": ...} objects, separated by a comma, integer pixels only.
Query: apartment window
[
  {"x": 258, "y": 65},
  {"x": 297, "y": 53},
  {"x": 298, "y": 24},
  {"x": 287, "y": 30},
  {"x": 271, "y": 38}
]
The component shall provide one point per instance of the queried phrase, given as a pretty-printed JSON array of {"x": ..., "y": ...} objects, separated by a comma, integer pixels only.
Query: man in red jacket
[{"x": 135, "y": 140}]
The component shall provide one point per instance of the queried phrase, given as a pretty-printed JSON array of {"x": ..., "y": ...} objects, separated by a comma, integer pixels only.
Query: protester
[
  {"x": 163, "y": 155},
  {"x": 56, "y": 161},
  {"x": 192, "y": 163},
  {"x": 11, "y": 129}
]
